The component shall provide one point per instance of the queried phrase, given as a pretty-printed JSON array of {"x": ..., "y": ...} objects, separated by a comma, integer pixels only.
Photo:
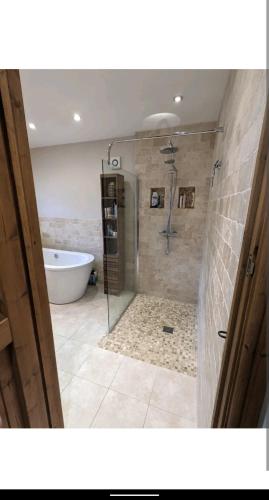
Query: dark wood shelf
[{"x": 113, "y": 245}]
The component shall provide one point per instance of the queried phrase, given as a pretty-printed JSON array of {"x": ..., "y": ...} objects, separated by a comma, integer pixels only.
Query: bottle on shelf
[
  {"x": 109, "y": 230},
  {"x": 111, "y": 189}
]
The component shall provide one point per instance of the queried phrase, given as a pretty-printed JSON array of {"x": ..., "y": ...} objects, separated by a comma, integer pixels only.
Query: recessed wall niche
[
  {"x": 157, "y": 197},
  {"x": 186, "y": 197}
]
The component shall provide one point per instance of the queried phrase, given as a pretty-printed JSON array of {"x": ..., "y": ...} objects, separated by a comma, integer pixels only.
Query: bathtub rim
[{"x": 51, "y": 267}]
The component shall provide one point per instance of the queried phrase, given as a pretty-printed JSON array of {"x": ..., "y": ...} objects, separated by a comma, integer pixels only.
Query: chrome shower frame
[{"x": 178, "y": 133}]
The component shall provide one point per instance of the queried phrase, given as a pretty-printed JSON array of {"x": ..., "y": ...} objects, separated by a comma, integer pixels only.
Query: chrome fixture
[
  {"x": 168, "y": 232},
  {"x": 168, "y": 150},
  {"x": 217, "y": 165},
  {"x": 173, "y": 134}
]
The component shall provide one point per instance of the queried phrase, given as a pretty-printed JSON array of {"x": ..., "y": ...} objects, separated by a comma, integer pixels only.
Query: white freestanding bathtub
[{"x": 67, "y": 274}]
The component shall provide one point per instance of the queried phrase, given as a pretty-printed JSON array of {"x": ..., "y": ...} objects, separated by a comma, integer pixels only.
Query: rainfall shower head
[{"x": 168, "y": 150}]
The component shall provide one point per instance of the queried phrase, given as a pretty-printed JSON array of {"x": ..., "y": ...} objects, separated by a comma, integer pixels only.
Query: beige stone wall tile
[
  {"x": 175, "y": 276},
  {"x": 242, "y": 116}
]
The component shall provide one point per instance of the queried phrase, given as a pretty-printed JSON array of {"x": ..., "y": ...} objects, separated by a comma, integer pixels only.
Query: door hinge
[{"x": 250, "y": 265}]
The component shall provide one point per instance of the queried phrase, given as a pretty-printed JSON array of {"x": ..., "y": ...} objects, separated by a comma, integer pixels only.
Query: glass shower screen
[{"x": 119, "y": 217}]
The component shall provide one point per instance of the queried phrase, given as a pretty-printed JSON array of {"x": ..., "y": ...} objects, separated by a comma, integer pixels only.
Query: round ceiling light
[
  {"x": 32, "y": 126},
  {"x": 76, "y": 117},
  {"x": 177, "y": 98},
  {"x": 160, "y": 121}
]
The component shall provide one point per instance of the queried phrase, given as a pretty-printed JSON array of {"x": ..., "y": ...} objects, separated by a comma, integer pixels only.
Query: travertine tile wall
[
  {"x": 174, "y": 276},
  {"x": 242, "y": 116},
  {"x": 74, "y": 234}
]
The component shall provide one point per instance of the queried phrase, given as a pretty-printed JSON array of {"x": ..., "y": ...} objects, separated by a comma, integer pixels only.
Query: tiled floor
[
  {"x": 86, "y": 321},
  {"x": 139, "y": 333},
  {"x": 100, "y": 388}
]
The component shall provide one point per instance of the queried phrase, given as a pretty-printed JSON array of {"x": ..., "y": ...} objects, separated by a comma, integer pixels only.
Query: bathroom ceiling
[{"x": 116, "y": 103}]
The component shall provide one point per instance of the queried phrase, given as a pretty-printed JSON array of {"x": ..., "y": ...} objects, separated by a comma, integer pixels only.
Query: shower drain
[{"x": 168, "y": 329}]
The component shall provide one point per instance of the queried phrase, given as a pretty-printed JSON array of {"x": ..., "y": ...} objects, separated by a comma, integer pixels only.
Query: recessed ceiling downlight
[
  {"x": 32, "y": 126},
  {"x": 76, "y": 117},
  {"x": 177, "y": 98}
]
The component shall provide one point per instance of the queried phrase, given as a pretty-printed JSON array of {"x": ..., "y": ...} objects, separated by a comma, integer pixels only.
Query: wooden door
[{"x": 29, "y": 389}]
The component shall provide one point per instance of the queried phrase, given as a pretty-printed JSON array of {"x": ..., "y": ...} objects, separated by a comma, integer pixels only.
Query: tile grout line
[
  {"x": 127, "y": 395},
  {"x": 172, "y": 413},
  {"x": 95, "y": 415},
  {"x": 93, "y": 381},
  {"x": 108, "y": 388},
  {"x": 116, "y": 370},
  {"x": 155, "y": 376},
  {"x": 86, "y": 379},
  {"x": 143, "y": 426},
  {"x": 157, "y": 407}
]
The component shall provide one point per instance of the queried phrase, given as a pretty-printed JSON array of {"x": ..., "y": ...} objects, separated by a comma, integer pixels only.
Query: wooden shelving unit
[{"x": 112, "y": 192}]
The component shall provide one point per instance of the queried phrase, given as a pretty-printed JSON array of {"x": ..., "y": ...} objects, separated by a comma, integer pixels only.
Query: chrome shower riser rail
[{"x": 178, "y": 133}]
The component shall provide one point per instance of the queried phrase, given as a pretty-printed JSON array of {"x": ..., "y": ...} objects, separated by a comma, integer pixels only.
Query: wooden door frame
[
  {"x": 24, "y": 193},
  {"x": 242, "y": 383},
  {"x": 238, "y": 400}
]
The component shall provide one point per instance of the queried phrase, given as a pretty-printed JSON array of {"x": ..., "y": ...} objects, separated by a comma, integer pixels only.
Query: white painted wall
[{"x": 67, "y": 177}]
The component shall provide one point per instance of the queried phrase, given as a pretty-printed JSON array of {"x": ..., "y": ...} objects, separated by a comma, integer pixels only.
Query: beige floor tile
[
  {"x": 135, "y": 379},
  {"x": 66, "y": 324},
  {"x": 92, "y": 330},
  {"x": 75, "y": 417},
  {"x": 94, "y": 294},
  {"x": 157, "y": 418},
  {"x": 64, "y": 379},
  {"x": 86, "y": 371},
  {"x": 119, "y": 410},
  {"x": 175, "y": 393},
  {"x": 71, "y": 356},
  {"x": 81, "y": 400},
  {"x": 100, "y": 366},
  {"x": 59, "y": 341},
  {"x": 91, "y": 339}
]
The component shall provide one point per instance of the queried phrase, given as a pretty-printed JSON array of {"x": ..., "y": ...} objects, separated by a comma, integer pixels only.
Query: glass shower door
[{"x": 119, "y": 216}]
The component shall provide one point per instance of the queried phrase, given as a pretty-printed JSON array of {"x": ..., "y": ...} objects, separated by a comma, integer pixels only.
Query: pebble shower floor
[{"x": 139, "y": 334}]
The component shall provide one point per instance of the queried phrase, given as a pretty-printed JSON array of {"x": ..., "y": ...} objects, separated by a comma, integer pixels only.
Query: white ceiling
[{"x": 116, "y": 103}]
